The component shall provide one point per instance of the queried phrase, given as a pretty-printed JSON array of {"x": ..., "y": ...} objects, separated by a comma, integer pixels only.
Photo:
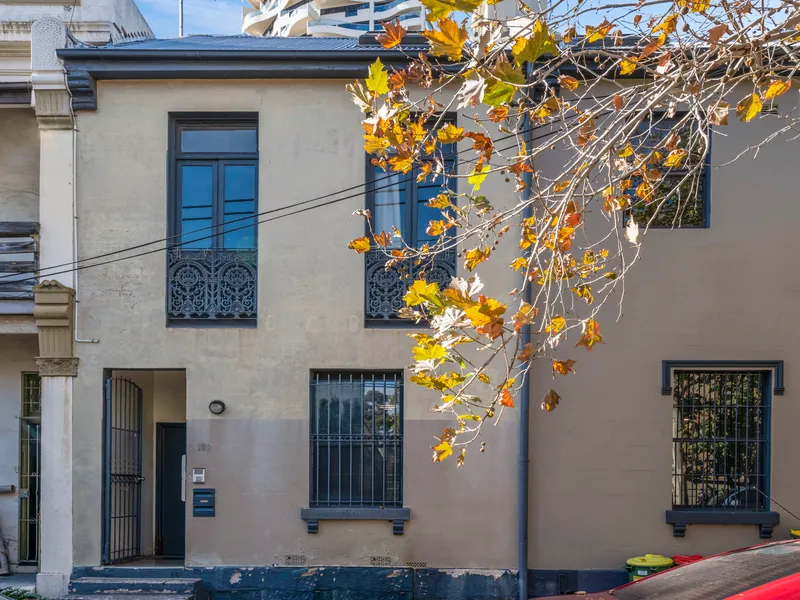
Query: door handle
[{"x": 183, "y": 478}]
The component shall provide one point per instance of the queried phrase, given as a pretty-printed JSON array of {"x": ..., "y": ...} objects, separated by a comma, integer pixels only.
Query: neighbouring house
[
  {"x": 241, "y": 413},
  {"x": 36, "y": 227}
]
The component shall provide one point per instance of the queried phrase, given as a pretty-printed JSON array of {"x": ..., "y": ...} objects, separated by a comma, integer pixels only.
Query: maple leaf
[
  {"x": 478, "y": 177},
  {"x": 484, "y": 377},
  {"x": 429, "y": 352},
  {"x": 748, "y": 107},
  {"x": 668, "y": 25},
  {"x": 485, "y": 312},
  {"x": 654, "y": 45},
  {"x": 440, "y": 201},
  {"x": 551, "y": 400},
  {"x": 378, "y": 80},
  {"x": 450, "y": 134},
  {"x": 628, "y": 66},
  {"x": 569, "y": 34},
  {"x": 568, "y": 82},
  {"x": 526, "y": 353},
  {"x": 402, "y": 163},
  {"x": 675, "y": 158},
  {"x": 498, "y": 114},
  {"x": 442, "y": 451},
  {"x": 777, "y": 88},
  {"x": 360, "y": 96},
  {"x": 491, "y": 330},
  {"x": 584, "y": 291},
  {"x": 506, "y": 399},
  {"x": 591, "y": 335},
  {"x": 556, "y": 324},
  {"x": 563, "y": 367},
  {"x": 519, "y": 263},
  {"x": 360, "y": 245},
  {"x": 436, "y": 228},
  {"x": 382, "y": 239},
  {"x": 561, "y": 185},
  {"x": 474, "y": 257},
  {"x": 595, "y": 34},
  {"x": 448, "y": 40},
  {"x": 481, "y": 143},
  {"x": 421, "y": 292},
  {"x": 715, "y": 34},
  {"x": 531, "y": 48},
  {"x": 393, "y": 35},
  {"x": 501, "y": 87},
  {"x": 694, "y": 5},
  {"x": 438, "y": 9},
  {"x": 718, "y": 114},
  {"x": 376, "y": 145}
]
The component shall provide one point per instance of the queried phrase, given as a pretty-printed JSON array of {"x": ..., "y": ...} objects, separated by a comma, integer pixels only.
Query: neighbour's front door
[{"x": 170, "y": 491}]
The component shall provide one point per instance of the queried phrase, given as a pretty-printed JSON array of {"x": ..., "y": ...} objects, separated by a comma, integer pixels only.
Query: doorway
[{"x": 171, "y": 490}]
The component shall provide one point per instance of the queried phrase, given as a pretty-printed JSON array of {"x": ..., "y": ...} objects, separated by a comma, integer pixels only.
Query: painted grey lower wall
[{"x": 371, "y": 583}]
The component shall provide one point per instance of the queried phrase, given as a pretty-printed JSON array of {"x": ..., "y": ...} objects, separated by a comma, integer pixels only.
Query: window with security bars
[
  {"x": 30, "y": 468},
  {"x": 356, "y": 439},
  {"x": 679, "y": 194},
  {"x": 721, "y": 440}
]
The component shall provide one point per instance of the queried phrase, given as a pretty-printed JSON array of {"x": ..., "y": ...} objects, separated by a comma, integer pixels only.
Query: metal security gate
[
  {"x": 30, "y": 468},
  {"x": 122, "y": 471}
]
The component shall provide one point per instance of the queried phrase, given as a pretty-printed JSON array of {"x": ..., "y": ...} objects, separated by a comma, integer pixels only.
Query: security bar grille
[
  {"x": 721, "y": 440},
  {"x": 30, "y": 468},
  {"x": 356, "y": 439}
]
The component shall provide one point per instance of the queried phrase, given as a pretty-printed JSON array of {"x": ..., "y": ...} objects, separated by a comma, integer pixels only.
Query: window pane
[
  {"x": 197, "y": 197},
  {"x": 428, "y": 189},
  {"x": 390, "y": 202},
  {"x": 239, "y": 203},
  {"x": 677, "y": 203},
  {"x": 242, "y": 139}
]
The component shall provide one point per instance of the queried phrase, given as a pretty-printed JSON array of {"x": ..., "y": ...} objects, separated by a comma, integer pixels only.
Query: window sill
[
  {"x": 398, "y": 516},
  {"x": 765, "y": 520}
]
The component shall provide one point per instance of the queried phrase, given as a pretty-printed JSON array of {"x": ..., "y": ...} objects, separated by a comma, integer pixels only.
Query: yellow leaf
[
  {"x": 550, "y": 401},
  {"x": 478, "y": 177},
  {"x": 506, "y": 399},
  {"x": 556, "y": 325},
  {"x": 563, "y": 367},
  {"x": 675, "y": 158},
  {"x": 529, "y": 49},
  {"x": 498, "y": 114},
  {"x": 393, "y": 36},
  {"x": 595, "y": 34},
  {"x": 441, "y": 451},
  {"x": 360, "y": 245},
  {"x": 484, "y": 377},
  {"x": 777, "y": 88},
  {"x": 448, "y": 40},
  {"x": 568, "y": 82},
  {"x": 376, "y": 145},
  {"x": 584, "y": 291},
  {"x": 486, "y": 312},
  {"x": 429, "y": 352},
  {"x": 569, "y": 34},
  {"x": 438, "y": 9},
  {"x": 421, "y": 292},
  {"x": 561, "y": 185},
  {"x": 748, "y": 107},
  {"x": 450, "y": 134},
  {"x": 694, "y": 5},
  {"x": 441, "y": 201},
  {"x": 436, "y": 228},
  {"x": 402, "y": 163},
  {"x": 628, "y": 66},
  {"x": 668, "y": 25},
  {"x": 519, "y": 263},
  {"x": 474, "y": 257},
  {"x": 378, "y": 80},
  {"x": 469, "y": 418},
  {"x": 626, "y": 151},
  {"x": 591, "y": 334}
]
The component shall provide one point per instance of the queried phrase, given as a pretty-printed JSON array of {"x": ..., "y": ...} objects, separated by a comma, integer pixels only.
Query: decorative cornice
[
  {"x": 53, "y": 313},
  {"x": 57, "y": 367}
]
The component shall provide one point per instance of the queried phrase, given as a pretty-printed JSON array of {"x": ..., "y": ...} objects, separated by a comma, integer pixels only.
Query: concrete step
[
  {"x": 131, "y": 587},
  {"x": 131, "y": 597}
]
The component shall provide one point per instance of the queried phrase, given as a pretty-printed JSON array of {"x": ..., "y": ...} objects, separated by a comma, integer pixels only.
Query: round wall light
[{"x": 217, "y": 407}]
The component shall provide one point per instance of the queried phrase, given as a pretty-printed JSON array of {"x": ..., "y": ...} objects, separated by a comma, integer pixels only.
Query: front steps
[{"x": 136, "y": 588}]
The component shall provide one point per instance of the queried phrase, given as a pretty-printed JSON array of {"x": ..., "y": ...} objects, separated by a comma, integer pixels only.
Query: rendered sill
[
  {"x": 398, "y": 516},
  {"x": 765, "y": 520}
]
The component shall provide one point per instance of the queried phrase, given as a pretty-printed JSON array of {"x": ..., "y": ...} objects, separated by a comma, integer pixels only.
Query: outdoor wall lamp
[{"x": 217, "y": 407}]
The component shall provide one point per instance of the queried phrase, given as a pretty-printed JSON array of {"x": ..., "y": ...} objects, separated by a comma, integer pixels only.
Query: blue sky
[{"x": 199, "y": 16}]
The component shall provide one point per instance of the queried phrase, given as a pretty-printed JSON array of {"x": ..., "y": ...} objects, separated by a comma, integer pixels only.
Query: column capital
[
  {"x": 51, "y": 99},
  {"x": 53, "y": 312}
]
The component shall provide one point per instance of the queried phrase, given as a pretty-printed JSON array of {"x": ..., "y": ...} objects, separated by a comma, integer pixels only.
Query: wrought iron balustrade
[
  {"x": 212, "y": 285},
  {"x": 385, "y": 289},
  {"x": 19, "y": 259}
]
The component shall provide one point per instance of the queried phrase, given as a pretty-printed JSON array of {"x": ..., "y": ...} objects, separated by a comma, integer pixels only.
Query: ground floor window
[
  {"x": 356, "y": 439},
  {"x": 721, "y": 440},
  {"x": 30, "y": 468}
]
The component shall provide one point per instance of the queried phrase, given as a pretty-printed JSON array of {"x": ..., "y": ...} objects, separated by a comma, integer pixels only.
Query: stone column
[{"x": 57, "y": 367}]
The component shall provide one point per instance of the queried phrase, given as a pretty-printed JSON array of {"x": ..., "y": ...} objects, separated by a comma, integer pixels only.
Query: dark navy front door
[{"x": 170, "y": 497}]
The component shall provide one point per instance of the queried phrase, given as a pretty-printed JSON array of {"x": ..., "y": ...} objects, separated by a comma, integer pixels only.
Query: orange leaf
[
  {"x": 563, "y": 367},
  {"x": 393, "y": 36},
  {"x": 506, "y": 399},
  {"x": 591, "y": 335},
  {"x": 619, "y": 102},
  {"x": 382, "y": 239},
  {"x": 360, "y": 245},
  {"x": 498, "y": 114},
  {"x": 654, "y": 45},
  {"x": 526, "y": 353}
]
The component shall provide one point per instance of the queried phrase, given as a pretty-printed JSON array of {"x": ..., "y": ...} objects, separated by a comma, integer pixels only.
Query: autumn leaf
[
  {"x": 402, "y": 163},
  {"x": 654, "y": 45},
  {"x": 675, "y": 158},
  {"x": 632, "y": 231},
  {"x": 556, "y": 324},
  {"x": 561, "y": 186},
  {"x": 595, "y": 34},
  {"x": 484, "y": 377},
  {"x": 526, "y": 353},
  {"x": 393, "y": 35},
  {"x": 429, "y": 352},
  {"x": 584, "y": 291},
  {"x": 591, "y": 334},
  {"x": 628, "y": 66},
  {"x": 694, "y": 5},
  {"x": 478, "y": 177},
  {"x": 378, "y": 80},
  {"x": 506, "y": 399},
  {"x": 715, "y": 33},
  {"x": 450, "y": 134},
  {"x": 501, "y": 88},
  {"x": 550, "y": 401},
  {"x": 748, "y": 107},
  {"x": 568, "y": 82},
  {"x": 360, "y": 96},
  {"x": 442, "y": 451},
  {"x": 421, "y": 292},
  {"x": 360, "y": 245},
  {"x": 619, "y": 102},
  {"x": 438, "y": 9},
  {"x": 519, "y": 263},
  {"x": 376, "y": 145},
  {"x": 474, "y": 257},
  {"x": 777, "y": 88},
  {"x": 485, "y": 312},
  {"x": 531, "y": 48},
  {"x": 440, "y": 201},
  {"x": 563, "y": 367},
  {"x": 668, "y": 25},
  {"x": 436, "y": 228},
  {"x": 491, "y": 330},
  {"x": 498, "y": 114},
  {"x": 382, "y": 239},
  {"x": 718, "y": 114},
  {"x": 569, "y": 34},
  {"x": 448, "y": 40}
]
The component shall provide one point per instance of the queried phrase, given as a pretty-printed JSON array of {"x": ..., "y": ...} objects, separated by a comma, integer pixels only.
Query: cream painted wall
[
  {"x": 19, "y": 165},
  {"x": 310, "y": 316},
  {"x": 17, "y": 355},
  {"x": 602, "y": 463}
]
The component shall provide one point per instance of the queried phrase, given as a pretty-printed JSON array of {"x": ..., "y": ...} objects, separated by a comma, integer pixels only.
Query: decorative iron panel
[
  {"x": 122, "y": 469},
  {"x": 721, "y": 440},
  {"x": 212, "y": 284},
  {"x": 356, "y": 439},
  {"x": 30, "y": 468},
  {"x": 385, "y": 289}
]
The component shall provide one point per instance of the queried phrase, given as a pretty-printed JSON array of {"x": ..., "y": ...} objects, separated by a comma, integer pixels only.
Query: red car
[{"x": 766, "y": 572}]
